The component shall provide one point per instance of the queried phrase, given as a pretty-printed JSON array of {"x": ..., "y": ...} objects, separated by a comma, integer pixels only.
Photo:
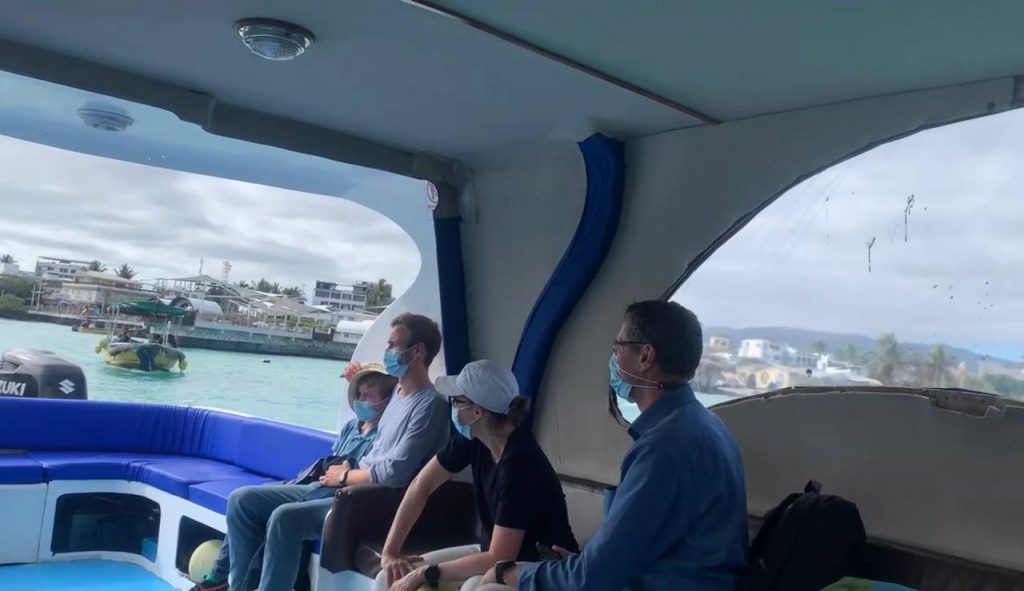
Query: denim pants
[{"x": 279, "y": 517}]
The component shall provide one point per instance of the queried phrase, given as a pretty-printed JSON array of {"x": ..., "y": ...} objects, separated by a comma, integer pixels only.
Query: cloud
[
  {"x": 162, "y": 222},
  {"x": 956, "y": 279}
]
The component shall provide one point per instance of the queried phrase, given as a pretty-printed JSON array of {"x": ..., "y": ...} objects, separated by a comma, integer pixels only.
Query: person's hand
[
  {"x": 351, "y": 369},
  {"x": 410, "y": 582},
  {"x": 397, "y": 567},
  {"x": 333, "y": 475},
  {"x": 490, "y": 577}
]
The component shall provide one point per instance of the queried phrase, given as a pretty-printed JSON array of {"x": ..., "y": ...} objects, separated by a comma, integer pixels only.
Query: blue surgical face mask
[
  {"x": 462, "y": 429},
  {"x": 365, "y": 411},
  {"x": 621, "y": 388},
  {"x": 393, "y": 363}
]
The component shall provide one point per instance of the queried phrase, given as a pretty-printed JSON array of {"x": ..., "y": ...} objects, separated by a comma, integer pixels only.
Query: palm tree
[
  {"x": 8, "y": 259},
  {"x": 888, "y": 358},
  {"x": 97, "y": 266},
  {"x": 379, "y": 294},
  {"x": 938, "y": 365},
  {"x": 292, "y": 292},
  {"x": 244, "y": 284},
  {"x": 125, "y": 271},
  {"x": 267, "y": 287}
]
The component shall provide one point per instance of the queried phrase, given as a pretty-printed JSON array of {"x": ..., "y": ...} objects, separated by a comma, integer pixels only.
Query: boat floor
[{"x": 80, "y": 575}]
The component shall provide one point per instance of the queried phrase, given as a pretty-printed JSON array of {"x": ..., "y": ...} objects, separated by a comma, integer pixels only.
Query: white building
[
  {"x": 763, "y": 349},
  {"x": 339, "y": 297},
  {"x": 94, "y": 288},
  {"x": 58, "y": 269},
  {"x": 10, "y": 269}
]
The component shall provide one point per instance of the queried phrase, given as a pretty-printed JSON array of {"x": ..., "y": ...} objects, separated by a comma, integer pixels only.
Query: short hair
[
  {"x": 672, "y": 330},
  {"x": 421, "y": 330},
  {"x": 384, "y": 383}
]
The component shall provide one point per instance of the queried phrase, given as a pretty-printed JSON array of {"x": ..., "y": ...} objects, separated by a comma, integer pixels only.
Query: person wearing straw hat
[
  {"x": 519, "y": 498},
  {"x": 369, "y": 390}
]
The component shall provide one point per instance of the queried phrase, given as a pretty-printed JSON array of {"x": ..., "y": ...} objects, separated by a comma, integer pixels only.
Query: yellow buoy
[{"x": 201, "y": 563}]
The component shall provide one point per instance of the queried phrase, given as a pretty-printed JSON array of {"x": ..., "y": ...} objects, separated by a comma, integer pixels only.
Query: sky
[
  {"x": 957, "y": 277},
  {"x": 163, "y": 222}
]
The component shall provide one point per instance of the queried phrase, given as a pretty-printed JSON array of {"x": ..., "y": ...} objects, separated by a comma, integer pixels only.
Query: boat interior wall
[
  {"x": 689, "y": 189},
  {"x": 916, "y": 469},
  {"x": 524, "y": 215},
  {"x": 605, "y": 168}
]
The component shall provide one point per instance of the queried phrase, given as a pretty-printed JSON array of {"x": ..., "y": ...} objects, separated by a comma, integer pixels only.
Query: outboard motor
[{"x": 31, "y": 373}]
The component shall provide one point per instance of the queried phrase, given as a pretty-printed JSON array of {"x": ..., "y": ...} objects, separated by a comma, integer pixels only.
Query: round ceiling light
[
  {"x": 274, "y": 40},
  {"x": 105, "y": 120}
]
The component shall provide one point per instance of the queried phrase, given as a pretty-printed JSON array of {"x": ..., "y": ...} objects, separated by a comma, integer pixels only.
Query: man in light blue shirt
[
  {"x": 678, "y": 519},
  {"x": 411, "y": 429}
]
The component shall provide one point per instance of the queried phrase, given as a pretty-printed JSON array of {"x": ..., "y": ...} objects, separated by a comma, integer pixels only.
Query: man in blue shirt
[{"x": 678, "y": 519}]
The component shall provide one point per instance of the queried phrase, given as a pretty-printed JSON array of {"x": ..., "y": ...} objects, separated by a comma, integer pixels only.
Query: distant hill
[{"x": 802, "y": 339}]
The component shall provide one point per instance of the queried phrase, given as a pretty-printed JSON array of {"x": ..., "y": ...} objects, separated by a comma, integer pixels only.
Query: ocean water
[{"x": 294, "y": 390}]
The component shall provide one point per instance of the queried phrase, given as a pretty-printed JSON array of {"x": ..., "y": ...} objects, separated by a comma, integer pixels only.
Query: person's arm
[
  {"x": 425, "y": 432},
  {"x": 505, "y": 545},
  {"x": 635, "y": 532},
  {"x": 427, "y": 481},
  {"x": 343, "y": 436}
]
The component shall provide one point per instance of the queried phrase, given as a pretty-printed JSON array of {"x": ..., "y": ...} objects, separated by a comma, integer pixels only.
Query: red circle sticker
[{"x": 432, "y": 197}]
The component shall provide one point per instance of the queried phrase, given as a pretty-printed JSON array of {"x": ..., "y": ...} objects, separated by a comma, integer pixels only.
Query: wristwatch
[
  {"x": 500, "y": 568},
  {"x": 432, "y": 576}
]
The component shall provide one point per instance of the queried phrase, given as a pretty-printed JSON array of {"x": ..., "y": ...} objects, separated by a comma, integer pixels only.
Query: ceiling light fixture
[
  {"x": 105, "y": 120},
  {"x": 274, "y": 40}
]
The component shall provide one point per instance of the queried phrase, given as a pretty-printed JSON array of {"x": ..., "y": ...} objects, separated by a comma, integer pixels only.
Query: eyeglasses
[{"x": 617, "y": 345}]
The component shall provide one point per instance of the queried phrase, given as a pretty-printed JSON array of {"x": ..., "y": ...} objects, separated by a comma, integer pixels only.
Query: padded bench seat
[
  {"x": 173, "y": 474},
  {"x": 20, "y": 469},
  {"x": 214, "y": 494},
  {"x": 197, "y": 454}
]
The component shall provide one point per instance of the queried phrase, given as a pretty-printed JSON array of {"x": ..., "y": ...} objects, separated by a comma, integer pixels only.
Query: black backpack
[{"x": 806, "y": 543}]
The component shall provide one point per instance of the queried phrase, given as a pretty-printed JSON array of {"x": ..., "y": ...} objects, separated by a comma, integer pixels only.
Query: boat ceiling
[{"x": 408, "y": 78}]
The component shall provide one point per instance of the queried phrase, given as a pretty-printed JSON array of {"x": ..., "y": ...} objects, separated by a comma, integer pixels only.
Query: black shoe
[{"x": 208, "y": 585}]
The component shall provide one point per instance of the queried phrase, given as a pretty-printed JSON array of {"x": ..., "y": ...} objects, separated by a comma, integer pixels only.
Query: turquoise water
[
  {"x": 291, "y": 389},
  {"x": 80, "y": 575}
]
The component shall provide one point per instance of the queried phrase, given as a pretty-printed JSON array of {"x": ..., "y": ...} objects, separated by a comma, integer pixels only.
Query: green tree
[
  {"x": 379, "y": 294},
  {"x": 19, "y": 286},
  {"x": 11, "y": 303},
  {"x": 292, "y": 292},
  {"x": 888, "y": 358},
  {"x": 819, "y": 347},
  {"x": 267, "y": 287},
  {"x": 244, "y": 284},
  {"x": 6, "y": 258},
  {"x": 125, "y": 271},
  {"x": 937, "y": 367},
  {"x": 97, "y": 266},
  {"x": 1005, "y": 385}
]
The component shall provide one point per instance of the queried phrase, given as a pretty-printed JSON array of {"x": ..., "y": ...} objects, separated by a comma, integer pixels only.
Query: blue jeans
[{"x": 281, "y": 516}]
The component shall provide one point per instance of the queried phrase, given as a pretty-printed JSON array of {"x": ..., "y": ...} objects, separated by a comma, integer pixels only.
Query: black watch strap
[
  {"x": 344, "y": 478},
  {"x": 432, "y": 576},
  {"x": 499, "y": 570}
]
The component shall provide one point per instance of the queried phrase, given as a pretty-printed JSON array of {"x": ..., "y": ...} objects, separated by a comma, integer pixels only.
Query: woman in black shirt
[{"x": 519, "y": 498}]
